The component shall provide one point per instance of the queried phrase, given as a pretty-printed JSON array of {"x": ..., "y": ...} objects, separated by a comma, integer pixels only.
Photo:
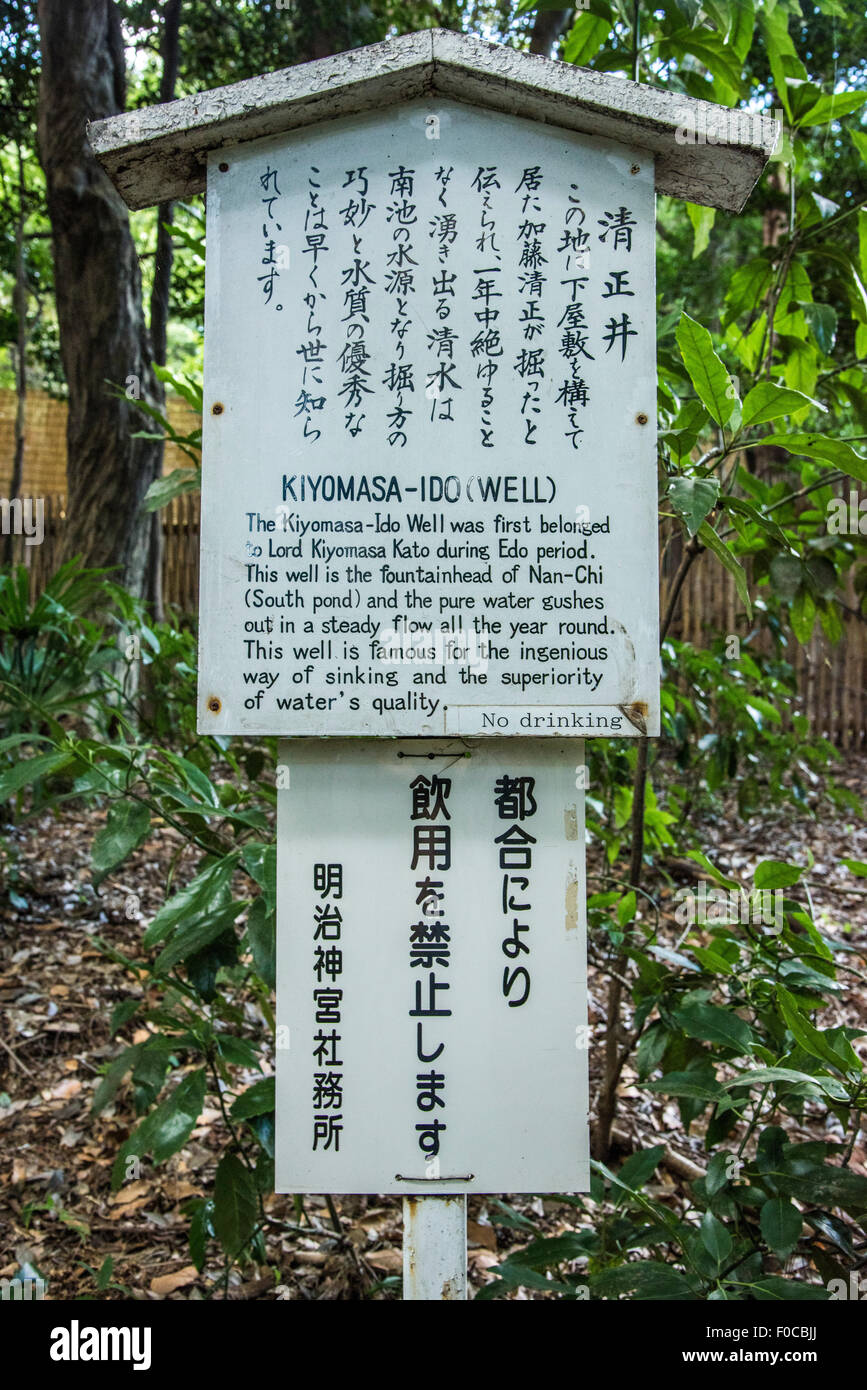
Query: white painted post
[{"x": 435, "y": 1248}]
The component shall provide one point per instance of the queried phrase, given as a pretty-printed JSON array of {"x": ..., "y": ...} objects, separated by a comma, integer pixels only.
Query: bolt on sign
[
  {"x": 432, "y": 1015},
  {"x": 429, "y": 472}
]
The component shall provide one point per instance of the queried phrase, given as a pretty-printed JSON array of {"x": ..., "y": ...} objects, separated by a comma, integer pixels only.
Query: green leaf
[
  {"x": 626, "y": 908},
  {"x": 194, "y": 778},
  {"x": 713, "y": 1024},
  {"x": 823, "y": 325},
  {"x": 22, "y": 773},
  {"x": 708, "y": 49},
  {"x": 769, "y": 402},
  {"x": 238, "y": 1052},
  {"x": 758, "y": 1076},
  {"x": 712, "y": 871},
  {"x": 586, "y": 37},
  {"x": 712, "y": 963},
  {"x": 747, "y": 288},
  {"x": 821, "y": 576},
  {"x": 714, "y": 1237},
  {"x": 712, "y": 542},
  {"x": 781, "y": 1224},
  {"x": 258, "y": 1099},
  {"x": 693, "y": 499},
  {"x": 645, "y": 1279},
  {"x": 856, "y": 867},
  {"x": 167, "y": 1128},
  {"x": 262, "y": 937},
  {"x": 687, "y": 1085},
  {"x": 200, "y": 1231},
  {"x": 516, "y": 1275},
  {"x": 773, "y": 1288},
  {"x": 203, "y": 966},
  {"x": 829, "y": 1187},
  {"x": 204, "y": 890},
  {"x": 186, "y": 387},
  {"x": 820, "y": 446},
  {"x": 717, "y": 1173},
  {"x": 111, "y": 1080},
  {"x": 774, "y": 873},
  {"x": 549, "y": 1251},
  {"x": 16, "y": 740},
  {"x": 121, "y": 1015},
  {"x": 786, "y": 574},
  {"x": 812, "y": 1040},
  {"x": 235, "y": 1205},
  {"x": 127, "y": 824},
  {"x": 802, "y": 615},
  {"x": 782, "y": 56},
  {"x": 832, "y": 107},
  {"x": 174, "y": 484},
  {"x": 651, "y": 1049},
  {"x": 190, "y": 940},
  {"x": 260, "y": 861},
  {"x": 707, "y": 373},
  {"x": 702, "y": 220},
  {"x": 640, "y": 1167}
]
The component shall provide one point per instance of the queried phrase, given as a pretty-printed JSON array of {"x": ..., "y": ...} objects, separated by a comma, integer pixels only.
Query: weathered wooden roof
[{"x": 160, "y": 152}]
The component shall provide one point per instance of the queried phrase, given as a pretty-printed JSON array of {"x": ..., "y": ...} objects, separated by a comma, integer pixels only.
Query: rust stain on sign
[{"x": 636, "y": 713}]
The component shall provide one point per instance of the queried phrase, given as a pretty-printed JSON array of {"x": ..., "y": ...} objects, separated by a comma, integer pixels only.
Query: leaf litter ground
[{"x": 58, "y": 1214}]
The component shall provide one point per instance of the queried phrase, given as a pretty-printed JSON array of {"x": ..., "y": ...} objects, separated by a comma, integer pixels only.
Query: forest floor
[{"x": 58, "y": 1213}]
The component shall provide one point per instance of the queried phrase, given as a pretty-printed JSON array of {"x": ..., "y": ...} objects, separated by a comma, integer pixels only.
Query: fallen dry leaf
[
  {"x": 386, "y": 1261},
  {"x": 129, "y": 1193},
  {"x": 121, "y": 1213},
  {"x": 177, "y": 1191},
  {"x": 70, "y": 1087},
  {"x": 479, "y": 1234},
  {"x": 167, "y": 1283},
  {"x": 482, "y": 1259}
]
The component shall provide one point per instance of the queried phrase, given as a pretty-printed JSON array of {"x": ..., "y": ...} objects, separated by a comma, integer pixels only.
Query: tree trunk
[
  {"x": 20, "y": 302},
  {"x": 548, "y": 29},
  {"x": 103, "y": 336},
  {"x": 160, "y": 291}
]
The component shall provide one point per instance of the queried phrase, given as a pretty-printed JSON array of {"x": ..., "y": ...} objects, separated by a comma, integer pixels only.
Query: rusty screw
[
  {"x": 636, "y": 169},
  {"x": 215, "y": 704},
  {"x": 641, "y": 418},
  {"x": 224, "y": 168},
  {"x": 217, "y": 408}
]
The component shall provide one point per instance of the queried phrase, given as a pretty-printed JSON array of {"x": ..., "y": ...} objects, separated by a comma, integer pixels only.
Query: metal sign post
[
  {"x": 428, "y": 559},
  {"x": 435, "y": 1248}
]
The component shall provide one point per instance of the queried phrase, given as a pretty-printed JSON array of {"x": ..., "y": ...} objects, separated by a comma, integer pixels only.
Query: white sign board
[
  {"x": 431, "y": 981},
  {"x": 429, "y": 479}
]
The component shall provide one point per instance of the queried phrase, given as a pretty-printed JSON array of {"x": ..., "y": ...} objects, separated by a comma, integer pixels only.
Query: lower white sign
[{"x": 431, "y": 973}]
